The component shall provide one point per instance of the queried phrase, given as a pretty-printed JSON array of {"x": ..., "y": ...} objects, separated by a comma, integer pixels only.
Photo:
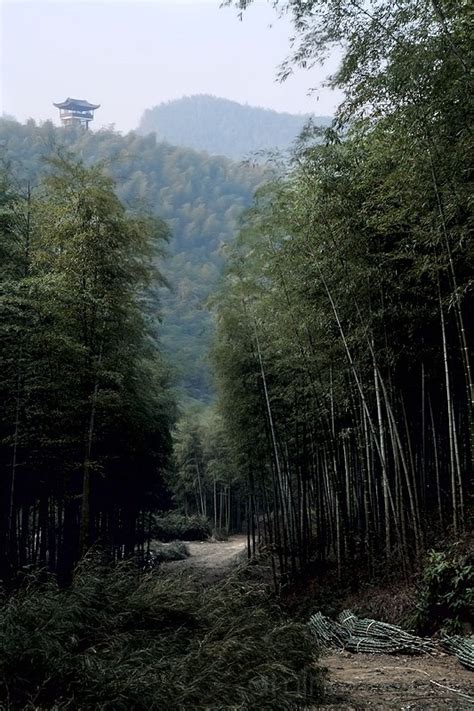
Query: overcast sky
[{"x": 129, "y": 56}]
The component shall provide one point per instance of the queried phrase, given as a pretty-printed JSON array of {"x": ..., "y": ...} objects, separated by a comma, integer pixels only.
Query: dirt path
[
  {"x": 213, "y": 558},
  {"x": 369, "y": 681},
  {"x": 357, "y": 682}
]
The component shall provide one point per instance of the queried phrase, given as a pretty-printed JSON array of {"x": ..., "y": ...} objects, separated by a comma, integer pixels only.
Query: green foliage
[
  {"x": 174, "y": 526},
  {"x": 446, "y": 593},
  {"x": 200, "y": 198},
  {"x": 223, "y": 127},
  {"x": 394, "y": 55},
  {"x": 119, "y": 640},
  {"x": 86, "y": 415},
  {"x": 345, "y": 315},
  {"x": 205, "y": 478}
]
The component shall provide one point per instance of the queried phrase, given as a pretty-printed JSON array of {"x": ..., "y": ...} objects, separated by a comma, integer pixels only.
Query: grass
[{"x": 120, "y": 639}]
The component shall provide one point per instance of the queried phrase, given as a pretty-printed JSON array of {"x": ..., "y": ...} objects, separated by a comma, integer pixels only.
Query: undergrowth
[
  {"x": 446, "y": 593},
  {"x": 173, "y": 526},
  {"x": 437, "y": 596},
  {"x": 119, "y": 639}
]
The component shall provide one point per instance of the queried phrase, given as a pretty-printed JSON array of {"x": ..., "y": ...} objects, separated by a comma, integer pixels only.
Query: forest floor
[{"x": 358, "y": 681}]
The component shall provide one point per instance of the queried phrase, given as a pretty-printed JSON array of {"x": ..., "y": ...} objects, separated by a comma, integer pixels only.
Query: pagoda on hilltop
[{"x": 76, "y": 112}]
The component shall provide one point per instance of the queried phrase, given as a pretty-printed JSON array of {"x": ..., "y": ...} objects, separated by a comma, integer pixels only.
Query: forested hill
[
  {"x": 199, "y": 197},
  {"x": 223, "y": 127}
]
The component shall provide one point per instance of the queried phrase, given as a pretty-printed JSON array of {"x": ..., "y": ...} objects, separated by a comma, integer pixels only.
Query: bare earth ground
[
  {"x": 359, "y": 681},
  {"x": 213, "y": 559},
  {"x": 382, "y": 681}
]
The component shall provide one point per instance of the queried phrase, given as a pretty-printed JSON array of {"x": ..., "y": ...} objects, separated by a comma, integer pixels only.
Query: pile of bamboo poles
[
  {"x": 462, "y": 648},
  {"x": 368, "y": 635},
  {"x": 329, "y": 633},
  {"x": 356, "y": 634},
  {"x": 365, "y": 635}
]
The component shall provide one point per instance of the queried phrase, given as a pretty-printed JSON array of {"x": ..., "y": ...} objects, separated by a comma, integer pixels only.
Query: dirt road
[
  {"x": 213, "y": 558},
  {"x": 369, "y": 681},
  {"x": 357, "y": 682}
]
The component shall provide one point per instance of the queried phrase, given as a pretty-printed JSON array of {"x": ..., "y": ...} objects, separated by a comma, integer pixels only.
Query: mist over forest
[{"x": 222, "y": 127}]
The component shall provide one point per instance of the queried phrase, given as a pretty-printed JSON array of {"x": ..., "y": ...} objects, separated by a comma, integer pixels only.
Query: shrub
[
  {"x": 446, "y": 594},
  {"x": 174, "y": 526},
  {"x": 120, "y": 639},
  {"x": 220, "y": 534}
]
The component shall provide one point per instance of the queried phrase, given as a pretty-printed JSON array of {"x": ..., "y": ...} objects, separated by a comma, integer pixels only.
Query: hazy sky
[{"x": 129, "y": 56}]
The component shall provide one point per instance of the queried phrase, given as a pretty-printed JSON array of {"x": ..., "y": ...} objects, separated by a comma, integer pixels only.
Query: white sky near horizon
[{"x": 129, "y": 56}]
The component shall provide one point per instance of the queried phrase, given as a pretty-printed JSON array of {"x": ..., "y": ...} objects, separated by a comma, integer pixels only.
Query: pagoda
[{"x": 76, "y": 112}]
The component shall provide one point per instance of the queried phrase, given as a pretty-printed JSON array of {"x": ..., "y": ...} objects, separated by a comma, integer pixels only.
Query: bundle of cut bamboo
[
  {"x": 328, "y": 632},
  {"x": 462, "y": 648},
  {"x": 370, "y": 636},
  {"x": 365, "y": 635}
]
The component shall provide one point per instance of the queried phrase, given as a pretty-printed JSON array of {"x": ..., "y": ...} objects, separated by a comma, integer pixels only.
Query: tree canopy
[
  {"x": 345, "y": 314},
  {"x": 87, "y": 410},
  {"x": 200, "y": 197}
]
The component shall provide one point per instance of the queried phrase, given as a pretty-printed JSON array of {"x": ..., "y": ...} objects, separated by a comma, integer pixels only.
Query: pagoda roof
[{"x": 76, "y": 104}]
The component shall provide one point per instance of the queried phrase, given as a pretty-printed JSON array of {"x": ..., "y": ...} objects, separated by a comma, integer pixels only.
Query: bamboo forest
[{"x": 236, "y": 381}]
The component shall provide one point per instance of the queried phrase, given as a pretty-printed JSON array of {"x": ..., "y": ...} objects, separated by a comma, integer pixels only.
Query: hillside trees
[
  {"x": 201, "y": 199},
  {"x": 86, "y": 416},
  {"x": 346, "y": 311}
]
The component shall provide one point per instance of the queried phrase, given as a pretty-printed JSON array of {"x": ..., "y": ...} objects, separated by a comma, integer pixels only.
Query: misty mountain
[{"x": 223, "y": 127}]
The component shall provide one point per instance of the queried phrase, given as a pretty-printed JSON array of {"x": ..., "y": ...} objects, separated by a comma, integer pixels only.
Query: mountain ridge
[{"x": 224, "y": 127}]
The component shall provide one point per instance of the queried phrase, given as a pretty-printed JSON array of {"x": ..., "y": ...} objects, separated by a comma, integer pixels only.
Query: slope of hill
[
  {"x": 200, "y": 198},
  {"x": 223, "y": 127}
]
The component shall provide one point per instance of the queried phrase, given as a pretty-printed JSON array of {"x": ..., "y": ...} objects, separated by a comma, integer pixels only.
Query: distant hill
[
  {"x": 223, "y": 127},
  {"x": 200, "y": 197}
]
